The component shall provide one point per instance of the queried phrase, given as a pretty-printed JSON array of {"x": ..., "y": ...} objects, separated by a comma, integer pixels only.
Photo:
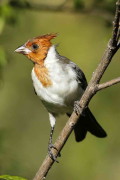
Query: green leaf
[{"x": 8, "y": 177}]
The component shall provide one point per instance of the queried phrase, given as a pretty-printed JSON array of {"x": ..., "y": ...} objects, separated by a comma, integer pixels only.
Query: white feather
[
  {"x": 52, "y": 120},
  {"x": 60, "y": 96}
]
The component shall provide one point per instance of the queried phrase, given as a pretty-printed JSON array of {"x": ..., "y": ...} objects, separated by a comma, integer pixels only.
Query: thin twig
[
  {"x": 108, "y": 84},
  {"x": 90, "y": 91}
]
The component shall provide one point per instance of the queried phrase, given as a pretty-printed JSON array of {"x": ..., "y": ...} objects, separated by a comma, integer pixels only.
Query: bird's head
[{"x": 37, "y": 48}]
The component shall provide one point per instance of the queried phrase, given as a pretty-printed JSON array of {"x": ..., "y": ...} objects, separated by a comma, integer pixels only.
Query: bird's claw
[
  {"x": 50, "y": 146},
  {"x": 77, "y": 108}
]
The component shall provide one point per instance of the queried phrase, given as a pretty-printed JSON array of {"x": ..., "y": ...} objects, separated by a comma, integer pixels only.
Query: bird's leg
[
  {"x": 50, "y": 145},
  {"x": 77, "y": 108}
]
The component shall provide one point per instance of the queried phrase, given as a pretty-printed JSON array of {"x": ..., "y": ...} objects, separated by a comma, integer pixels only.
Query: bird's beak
[{"x": 23, "y": 50}]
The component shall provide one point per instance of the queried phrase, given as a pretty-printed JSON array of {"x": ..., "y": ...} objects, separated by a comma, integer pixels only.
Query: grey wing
[{"x": 80, "y": 76}]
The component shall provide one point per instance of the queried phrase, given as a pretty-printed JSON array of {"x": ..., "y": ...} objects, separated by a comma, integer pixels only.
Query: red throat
[{"x": 43, "y": 75}]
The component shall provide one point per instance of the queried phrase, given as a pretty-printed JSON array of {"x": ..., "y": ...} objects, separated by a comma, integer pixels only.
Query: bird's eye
[{"x": 35, "y": 46}]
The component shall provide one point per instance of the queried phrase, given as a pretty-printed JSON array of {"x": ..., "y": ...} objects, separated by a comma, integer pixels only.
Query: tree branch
[
  {"x": 108, "y": 84},
  {"x": 116, "y": 27},
  {"x": 90, "y": 91}
]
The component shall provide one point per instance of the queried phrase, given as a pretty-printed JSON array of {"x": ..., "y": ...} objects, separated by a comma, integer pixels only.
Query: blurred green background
[{"x": 84, "y": 29}]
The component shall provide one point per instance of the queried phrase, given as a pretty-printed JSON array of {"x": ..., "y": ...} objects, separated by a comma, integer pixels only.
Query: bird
[{"x": 59, "y": 83}]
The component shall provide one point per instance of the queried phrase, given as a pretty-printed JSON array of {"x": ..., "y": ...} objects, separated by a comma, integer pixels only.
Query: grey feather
[{"x": 80, "y": 75}]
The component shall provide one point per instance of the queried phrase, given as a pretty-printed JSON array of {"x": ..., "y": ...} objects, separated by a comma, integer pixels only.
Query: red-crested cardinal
[{"x": 59, "y": 83}]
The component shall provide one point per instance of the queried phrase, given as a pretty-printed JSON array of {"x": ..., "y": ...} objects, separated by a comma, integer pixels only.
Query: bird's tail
[{"x": 87, "y": 122}]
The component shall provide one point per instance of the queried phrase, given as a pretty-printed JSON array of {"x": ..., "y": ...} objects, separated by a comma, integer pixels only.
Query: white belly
[{"x": 60, "y": 96}]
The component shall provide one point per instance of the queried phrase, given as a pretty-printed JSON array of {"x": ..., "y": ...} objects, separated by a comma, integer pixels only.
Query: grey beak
[{"x": 23, "y": 50}]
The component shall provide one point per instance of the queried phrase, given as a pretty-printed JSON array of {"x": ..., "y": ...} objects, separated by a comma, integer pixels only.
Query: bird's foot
[
  {"x": 52, "y": 156},
  {"x": 77, "y": 108}
]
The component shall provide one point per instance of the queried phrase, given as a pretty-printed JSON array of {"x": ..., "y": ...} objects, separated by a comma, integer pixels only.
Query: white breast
[{"x": 64, "y": 90}]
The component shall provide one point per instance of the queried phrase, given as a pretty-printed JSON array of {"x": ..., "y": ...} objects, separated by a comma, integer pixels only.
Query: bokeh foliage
[
  {"x": 9, "y": 10},
  {"x": 107, "y": 5},
  {"x": 7, "y": 15}
]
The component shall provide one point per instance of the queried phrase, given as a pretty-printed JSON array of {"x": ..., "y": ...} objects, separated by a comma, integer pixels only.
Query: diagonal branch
[
  {"x": 116, "y": 24},
  {"x": 90, "y": 91}
]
